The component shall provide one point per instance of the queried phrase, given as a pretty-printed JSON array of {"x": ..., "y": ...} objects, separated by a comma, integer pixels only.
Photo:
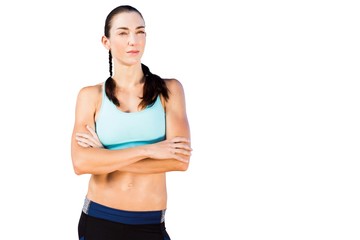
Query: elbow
[
  {"x": 183, "y": 167},
  {"x": 78, "y": 165},
  {"x": 78, "y": 169}
]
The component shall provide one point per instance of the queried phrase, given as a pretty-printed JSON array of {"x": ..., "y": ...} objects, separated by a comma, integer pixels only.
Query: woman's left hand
[{"x": 89, "y": 140}]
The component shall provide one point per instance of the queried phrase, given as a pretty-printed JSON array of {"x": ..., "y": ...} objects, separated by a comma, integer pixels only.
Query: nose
[{"x": 132, "y": 39}]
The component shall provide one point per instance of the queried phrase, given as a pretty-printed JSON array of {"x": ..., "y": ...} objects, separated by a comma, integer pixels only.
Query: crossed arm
[{"x": 172, "y": 154}]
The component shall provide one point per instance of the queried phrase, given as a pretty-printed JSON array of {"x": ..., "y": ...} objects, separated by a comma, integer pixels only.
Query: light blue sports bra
[{"x": 118, "y": 130}]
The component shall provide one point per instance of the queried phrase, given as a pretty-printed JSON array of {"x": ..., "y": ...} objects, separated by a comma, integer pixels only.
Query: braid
[
  {"x": 110, "y": 63},
  {"x": 110, "y": 84},
  {"x": 153, "y": 86}
]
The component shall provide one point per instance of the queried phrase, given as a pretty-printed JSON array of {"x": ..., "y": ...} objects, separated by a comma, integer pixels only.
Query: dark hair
[{"x": 153, "y": 84}]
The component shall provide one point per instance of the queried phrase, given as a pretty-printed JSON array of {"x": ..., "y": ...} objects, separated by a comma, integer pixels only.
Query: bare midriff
[{"x": 129, "y": 191}]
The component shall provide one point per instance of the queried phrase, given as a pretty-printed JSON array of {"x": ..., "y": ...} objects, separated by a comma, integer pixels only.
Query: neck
[{"x": 127, "y": 76}]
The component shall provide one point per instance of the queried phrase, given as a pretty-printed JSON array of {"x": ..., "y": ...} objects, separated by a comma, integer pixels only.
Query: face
[{"x": 127, "y": 38}]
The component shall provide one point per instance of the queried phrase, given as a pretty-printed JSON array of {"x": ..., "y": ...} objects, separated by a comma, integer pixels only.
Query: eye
[
  {"x": 141, "y": 32},
  {"x": 123, "y": 33}
]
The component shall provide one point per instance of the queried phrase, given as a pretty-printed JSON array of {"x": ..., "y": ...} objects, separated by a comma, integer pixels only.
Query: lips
[{"x": 133, "y": 51}]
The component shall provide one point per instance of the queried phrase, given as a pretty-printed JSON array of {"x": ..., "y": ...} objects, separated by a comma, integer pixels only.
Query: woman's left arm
[{"x": 177, "y": 125}]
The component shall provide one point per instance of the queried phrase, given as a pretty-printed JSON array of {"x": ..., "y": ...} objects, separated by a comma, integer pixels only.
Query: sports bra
[{"x": 118, "y": 130}]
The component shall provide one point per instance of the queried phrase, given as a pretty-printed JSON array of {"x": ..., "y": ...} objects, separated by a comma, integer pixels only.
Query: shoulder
[
  {"x": 90, "y": 91},
  {"x": 176, "y": 95},
  {"x": 90, "y": 95},
  {"x": 174, "y": 86}
]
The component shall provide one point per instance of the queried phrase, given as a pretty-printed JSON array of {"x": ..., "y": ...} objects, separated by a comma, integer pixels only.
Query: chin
[{"x": 132, "y": 62}]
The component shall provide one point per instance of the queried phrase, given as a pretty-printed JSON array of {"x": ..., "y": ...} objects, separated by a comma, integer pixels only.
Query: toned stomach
[{"x": 129, "y": 191}]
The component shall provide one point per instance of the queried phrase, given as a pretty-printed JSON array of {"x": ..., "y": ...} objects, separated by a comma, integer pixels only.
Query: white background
[{"x": 272, "y": 91}]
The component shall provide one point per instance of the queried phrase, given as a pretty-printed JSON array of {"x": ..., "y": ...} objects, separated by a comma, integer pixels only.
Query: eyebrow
[{"x": 125, "y": 28}]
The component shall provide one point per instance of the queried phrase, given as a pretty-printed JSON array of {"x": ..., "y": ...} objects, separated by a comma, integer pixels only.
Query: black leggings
[
  {"x": 98, "y": 222},
  {"x": 91, "y": 228}
]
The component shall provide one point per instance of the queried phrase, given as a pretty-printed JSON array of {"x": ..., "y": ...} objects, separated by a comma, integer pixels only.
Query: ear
[{"x": 106, "y": 42}]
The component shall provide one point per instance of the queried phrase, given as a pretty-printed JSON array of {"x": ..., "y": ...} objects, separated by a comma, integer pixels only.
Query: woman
[{"x": 128, "y": 132}]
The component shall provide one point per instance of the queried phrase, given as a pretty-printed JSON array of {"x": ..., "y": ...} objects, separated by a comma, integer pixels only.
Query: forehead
[{"x": 129, "y": 20}]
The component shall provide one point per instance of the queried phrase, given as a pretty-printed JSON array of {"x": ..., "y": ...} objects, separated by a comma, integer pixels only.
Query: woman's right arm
[{"x": 96, "y": 160}]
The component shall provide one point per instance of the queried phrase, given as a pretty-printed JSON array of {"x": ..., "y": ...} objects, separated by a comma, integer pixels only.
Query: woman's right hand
[{"x": 177, "y": 148}]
